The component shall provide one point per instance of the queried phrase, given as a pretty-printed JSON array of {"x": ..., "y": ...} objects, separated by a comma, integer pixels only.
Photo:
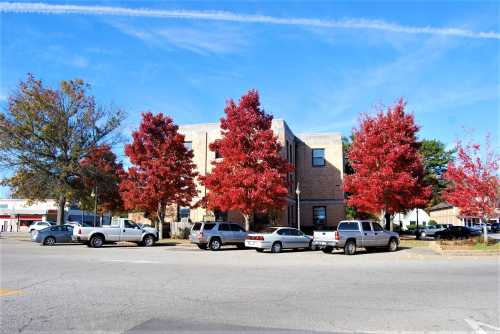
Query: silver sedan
[{"x": 278, "y": 238}]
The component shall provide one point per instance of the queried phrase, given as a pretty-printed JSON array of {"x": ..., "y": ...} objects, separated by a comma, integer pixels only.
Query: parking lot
[{"x": 170, "y": 289}]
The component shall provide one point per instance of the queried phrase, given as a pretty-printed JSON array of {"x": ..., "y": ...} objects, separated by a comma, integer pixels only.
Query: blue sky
[{"x": 316, "y": 64}]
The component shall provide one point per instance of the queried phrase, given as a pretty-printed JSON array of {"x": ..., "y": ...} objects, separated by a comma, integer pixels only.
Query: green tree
[
  {"x": 46, "y": 133},
  {"x": 436, "y": 159},
  {"x": 346, "y": 145}
]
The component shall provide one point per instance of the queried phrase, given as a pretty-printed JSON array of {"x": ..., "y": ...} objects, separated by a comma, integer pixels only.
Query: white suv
[{"x": 37, "y": 226}]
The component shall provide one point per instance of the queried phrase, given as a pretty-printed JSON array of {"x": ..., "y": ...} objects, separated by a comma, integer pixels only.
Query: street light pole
[
  {"x": 297, "y": 191},
  {"x": 94, "y": 195}
]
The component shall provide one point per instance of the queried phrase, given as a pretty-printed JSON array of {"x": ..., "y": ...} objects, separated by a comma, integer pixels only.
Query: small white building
[
  {"x": 410, "y": 218},
  {"x": 16, "y": 215}
]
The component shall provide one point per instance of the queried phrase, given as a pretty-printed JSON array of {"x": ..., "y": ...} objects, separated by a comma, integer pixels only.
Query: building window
[
  {"x": 188, "y": 145},
  {"x": 319, "y": 215},
  {"x": 218, "y": 155},
  {"x": 184, "y": 213},
  {"x": 220, "y": 216},
  {"x": 318, "y": 157}
]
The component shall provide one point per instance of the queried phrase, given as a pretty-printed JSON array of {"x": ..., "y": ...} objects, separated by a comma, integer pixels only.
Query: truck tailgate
[{"x": 324, "y": 235}]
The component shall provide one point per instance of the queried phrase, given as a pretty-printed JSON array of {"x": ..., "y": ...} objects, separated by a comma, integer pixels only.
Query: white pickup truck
[
  {"x": 121, "y": 229},
  {"x": 351, "y": 234}
]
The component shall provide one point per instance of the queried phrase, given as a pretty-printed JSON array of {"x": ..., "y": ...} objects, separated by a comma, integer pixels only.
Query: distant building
[
  {"x": 17, "y": 214},
  {"x": 445, "y": 213},
  {"x": 318, "y": 163},
  {"x": 404, "y": 220}
]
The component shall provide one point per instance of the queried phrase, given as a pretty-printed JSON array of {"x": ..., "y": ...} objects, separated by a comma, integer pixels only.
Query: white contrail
[{"x": 18, "y": 7}]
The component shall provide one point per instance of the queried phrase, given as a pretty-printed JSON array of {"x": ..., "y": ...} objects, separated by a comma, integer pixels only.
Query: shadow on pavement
[{"x": 181, "y": 326}]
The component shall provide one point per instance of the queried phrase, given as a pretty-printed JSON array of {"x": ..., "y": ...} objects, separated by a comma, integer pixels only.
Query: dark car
[
  {"x": 495, "y": 227},
  {"x": 55, "y": 234},
  {"x": 456, "y": 232}
]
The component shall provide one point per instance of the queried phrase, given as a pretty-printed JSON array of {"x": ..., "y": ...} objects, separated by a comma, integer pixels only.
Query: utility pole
[{"x": 297, "y": 191}]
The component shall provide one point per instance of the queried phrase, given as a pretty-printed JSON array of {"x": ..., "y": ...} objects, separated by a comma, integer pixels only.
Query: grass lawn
[
  {"x": 482, "y": 247},
  {"x": 414, "y": 243},
  {"x": 473, "y": 244}
]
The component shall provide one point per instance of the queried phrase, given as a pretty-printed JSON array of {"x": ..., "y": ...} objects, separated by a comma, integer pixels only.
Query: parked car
[
  {"x": 49, "y": 236},
  {"x": 480, "y": 227},
  {"x": 456, "y": 232},
  {"x": 277, "y": 239},
  {"x": 39, "y": 225},
  {"x": 217, "y": 234},
  {"x": 351, "y": 234},
  {"x": 495, "y": 227},
  {"x": 121, "y": 229},
  {"x": 429, "y": 231}
]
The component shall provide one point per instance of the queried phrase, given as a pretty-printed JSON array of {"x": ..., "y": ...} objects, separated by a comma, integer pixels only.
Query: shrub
[
  {"x": 432, "y": 222},
  {"x": 183, "y": 233}
]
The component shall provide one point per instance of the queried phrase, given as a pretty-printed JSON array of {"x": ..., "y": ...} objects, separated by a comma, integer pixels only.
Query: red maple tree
[
  {"x": 388, "y": 169},
  {"x": 162, "y": 171},
  {"x": 474, "y": 185},
  {"x": 102, "y": 175},
  {"x": 251, "y": 177}
]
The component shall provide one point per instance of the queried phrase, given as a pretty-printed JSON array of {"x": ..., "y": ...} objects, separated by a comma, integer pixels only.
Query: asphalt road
[{"x": 72, "y": 288}]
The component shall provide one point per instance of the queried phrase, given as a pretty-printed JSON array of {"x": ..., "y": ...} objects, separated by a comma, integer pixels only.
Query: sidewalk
[{"x": 15, "y": 235}]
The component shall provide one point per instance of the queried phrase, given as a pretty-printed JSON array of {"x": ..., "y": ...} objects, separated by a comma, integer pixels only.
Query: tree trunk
[
  {"x": 387, "y": 217},
  {"x": 161, "y": 217},
  {"x": 247, "y": 222},
  {"x": 60, "y": 209},
  {"x": 485, "y": 232}
]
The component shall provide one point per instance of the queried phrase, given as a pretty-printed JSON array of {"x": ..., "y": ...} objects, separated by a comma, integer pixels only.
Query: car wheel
[
  {"x": 148, "y": 241},
  {"x": 350, "y": 248},
  {"x": 437, "y": 237},
  {"x": 49, "y": 241},
  {"x": 202, "y": 246},
  {"x": 96, "y": 241},
  {"x": 240, "y": 246},
  {"x": 327, "y": 249},
  {"x": 276, "y": 247},
  {"x": 215, "y": 244},
  {"x": 393, "y": 245},
  {"x": 260, "y": 250},
  {"x": 311, "y": 247}
]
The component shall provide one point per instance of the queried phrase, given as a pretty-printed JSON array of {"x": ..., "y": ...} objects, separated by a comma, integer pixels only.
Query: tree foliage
[
  {"x": 388, "y": 169},
  {"x": 45, "y": 134},
  {"x": 101, "y": 175},
  {"x": 162, "y": 171},
  {"x": 474, "y": 185},
  {"x": 252, "y": 175},
  {"x": 435, "y": 159}
]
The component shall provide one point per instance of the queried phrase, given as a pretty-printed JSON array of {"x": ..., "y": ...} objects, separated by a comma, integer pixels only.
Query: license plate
[{"x": 251, "y": 242}]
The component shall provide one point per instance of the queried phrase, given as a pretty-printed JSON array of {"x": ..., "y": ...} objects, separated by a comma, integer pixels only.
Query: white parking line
[{"x": 476, "y": 326}]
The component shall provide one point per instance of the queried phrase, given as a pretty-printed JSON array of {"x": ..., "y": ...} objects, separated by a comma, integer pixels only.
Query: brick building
[{"x": 318, "y": 162}]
